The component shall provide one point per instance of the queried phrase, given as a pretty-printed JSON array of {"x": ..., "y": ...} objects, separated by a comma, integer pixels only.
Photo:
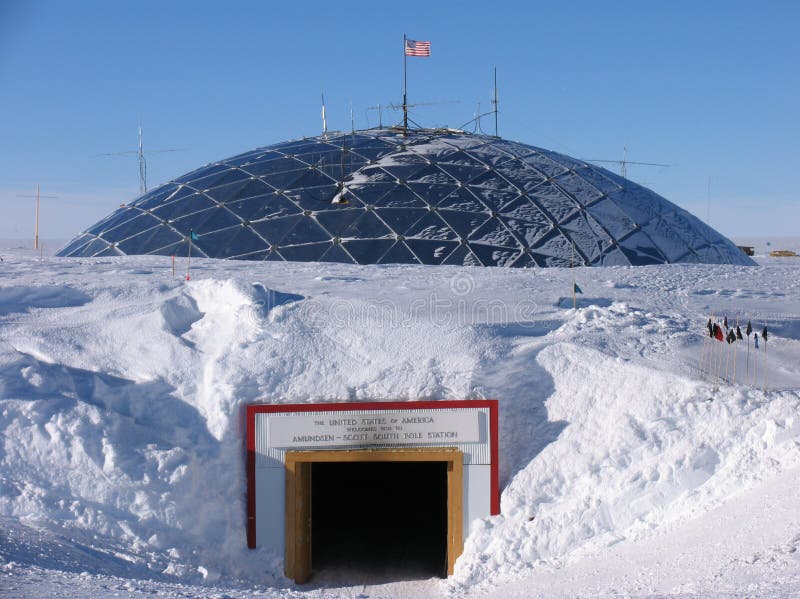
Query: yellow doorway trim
[{"x": 297, "y": 563}]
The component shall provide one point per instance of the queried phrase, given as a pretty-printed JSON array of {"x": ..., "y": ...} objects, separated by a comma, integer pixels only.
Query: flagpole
[
  {"x": 710, "y": 353},
  {"x": 405, "y": 88},
  {"x": 735, "y": 352},
  {"x": 705, "y": 356},
  {"x": 747, "y": 375},
  {"x": 764, "y": 366},
  {"x": 727, "y": 357}
]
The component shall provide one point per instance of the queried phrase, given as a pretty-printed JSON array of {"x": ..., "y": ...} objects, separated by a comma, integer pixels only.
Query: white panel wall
[
  {"x": 271, "y": 508},
  {"x": 477, "y": 494},
  {"x": 271, "y": 481}
]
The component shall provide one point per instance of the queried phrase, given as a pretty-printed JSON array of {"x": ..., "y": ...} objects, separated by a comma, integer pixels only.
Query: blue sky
[{"x": 712, "y": 88}]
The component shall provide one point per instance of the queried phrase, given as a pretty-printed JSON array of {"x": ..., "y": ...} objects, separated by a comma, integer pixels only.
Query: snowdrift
[{"x": 122, "y": 388}]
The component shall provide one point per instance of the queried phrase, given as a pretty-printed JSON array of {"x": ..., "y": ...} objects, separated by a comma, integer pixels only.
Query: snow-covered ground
[{"x": 625, "y": 468}]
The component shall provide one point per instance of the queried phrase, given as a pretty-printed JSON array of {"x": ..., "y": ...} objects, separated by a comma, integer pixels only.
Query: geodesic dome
[{"x": 425, "y": 197}]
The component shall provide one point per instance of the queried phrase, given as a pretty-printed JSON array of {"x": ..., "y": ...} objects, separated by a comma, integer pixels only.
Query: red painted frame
[{"x": 254, "y": 409}]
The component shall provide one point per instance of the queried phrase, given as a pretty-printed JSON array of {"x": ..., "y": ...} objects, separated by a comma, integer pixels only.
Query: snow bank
[
  {"x": 122, "y": 388},
  {"x": 642, "y": 450}
]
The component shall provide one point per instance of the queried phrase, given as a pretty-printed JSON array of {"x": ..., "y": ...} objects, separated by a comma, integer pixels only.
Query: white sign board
[{"x": 376, "y": 428}]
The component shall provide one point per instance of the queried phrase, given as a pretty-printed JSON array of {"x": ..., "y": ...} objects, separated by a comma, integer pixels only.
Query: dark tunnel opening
[{"x": 384, "y": 520}]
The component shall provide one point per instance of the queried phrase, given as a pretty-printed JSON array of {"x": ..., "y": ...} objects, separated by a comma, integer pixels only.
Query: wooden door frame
[{"x": 297, "y": 558}]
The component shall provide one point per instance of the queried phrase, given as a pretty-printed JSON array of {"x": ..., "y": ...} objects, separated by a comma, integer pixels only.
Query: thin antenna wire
[{"x": 623, "y": 164}]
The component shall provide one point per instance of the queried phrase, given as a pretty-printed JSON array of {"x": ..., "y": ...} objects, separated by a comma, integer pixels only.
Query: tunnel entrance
[
  {"x": 387, "y": 514},
  {"x": 384, "y": 519}
]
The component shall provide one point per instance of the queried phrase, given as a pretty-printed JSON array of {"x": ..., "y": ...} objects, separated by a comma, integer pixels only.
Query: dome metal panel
[{"x": 424, "y": 197}]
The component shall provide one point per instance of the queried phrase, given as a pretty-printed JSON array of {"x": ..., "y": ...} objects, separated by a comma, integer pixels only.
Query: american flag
[{"x": 415, "y": 48}]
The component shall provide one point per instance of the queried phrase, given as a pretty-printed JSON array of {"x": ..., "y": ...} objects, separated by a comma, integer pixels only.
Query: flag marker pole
[
  {"x": 173, "y": 265},
  {"x": 703, "y": 353},
  {"x": 727, "y": 357},
  {"x": 710, "y": 356},
  {"x": 764, "y": 365},
  {"x": 747, "y": 375},
  {"x": 735, "y": 352},
  {"x": 715, "y": 361},
  {"x": 755, "y": 361},
  {"x": 710, "y": 352}
]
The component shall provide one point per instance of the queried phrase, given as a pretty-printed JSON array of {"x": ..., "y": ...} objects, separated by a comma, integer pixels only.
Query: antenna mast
[
  {"x": 140, "y": 153},
  {"x": 494, "y": 102},
  {"x": 623, "y": 166},
  {"x": 36, "y": 230},
  {"x": 142, "y": 166},
  {"x": 36, "y": 225},
  {"x": 324, "y": 121}
]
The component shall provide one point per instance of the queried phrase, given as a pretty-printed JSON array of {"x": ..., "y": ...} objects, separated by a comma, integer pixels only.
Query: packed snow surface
[{"x": 626, "y": 469}]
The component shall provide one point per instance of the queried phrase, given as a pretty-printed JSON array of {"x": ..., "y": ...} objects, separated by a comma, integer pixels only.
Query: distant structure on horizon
[{"x": 415, "y": 196}]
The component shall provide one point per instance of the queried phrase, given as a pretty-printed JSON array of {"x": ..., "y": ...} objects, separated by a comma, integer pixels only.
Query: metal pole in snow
[
  {"x": 189, "y": 257},
  {"x": 36, "y": 232}
]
